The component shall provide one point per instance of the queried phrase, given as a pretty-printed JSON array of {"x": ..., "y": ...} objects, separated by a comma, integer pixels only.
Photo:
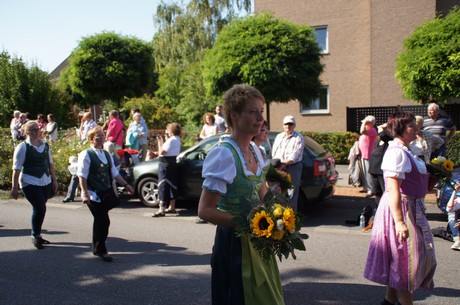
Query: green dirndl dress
[{"x": 239, "y": 274}]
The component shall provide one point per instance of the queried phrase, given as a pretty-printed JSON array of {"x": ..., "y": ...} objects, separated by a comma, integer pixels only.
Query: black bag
[{"x": 108, "y": 198}]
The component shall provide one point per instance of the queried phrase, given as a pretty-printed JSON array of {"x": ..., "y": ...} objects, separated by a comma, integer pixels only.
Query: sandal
[
  {"x": 158, "y": 214},
  {"x": 170, "y": 211}
]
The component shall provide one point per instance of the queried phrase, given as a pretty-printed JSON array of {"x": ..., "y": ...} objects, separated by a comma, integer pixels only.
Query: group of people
[
  {"x": 401, "y": 253},
  {"x": 47, "y": 129},
  {"x": 34, "y": 175},
  {"x": 434, "y": 133}
]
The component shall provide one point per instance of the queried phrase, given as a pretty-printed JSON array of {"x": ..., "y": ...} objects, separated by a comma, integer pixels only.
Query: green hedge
[{"x": 338, "y": 143}]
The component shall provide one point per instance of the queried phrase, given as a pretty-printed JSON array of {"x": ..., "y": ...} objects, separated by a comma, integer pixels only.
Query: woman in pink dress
[
  {"x": 401, "y": 253},
  {"x": 366, "y": 144}
]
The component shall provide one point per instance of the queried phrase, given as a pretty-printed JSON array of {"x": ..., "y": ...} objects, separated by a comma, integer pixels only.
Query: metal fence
[{"x": 381, "y": 114}]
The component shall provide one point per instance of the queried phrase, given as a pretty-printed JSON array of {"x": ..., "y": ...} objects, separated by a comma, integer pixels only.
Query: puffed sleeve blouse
[
  {"x": 396, "y": 162},
  {"x": 219, "y": 166}
]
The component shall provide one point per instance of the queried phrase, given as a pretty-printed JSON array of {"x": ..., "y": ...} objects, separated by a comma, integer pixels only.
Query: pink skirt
[{"x": 403, "y": 265}]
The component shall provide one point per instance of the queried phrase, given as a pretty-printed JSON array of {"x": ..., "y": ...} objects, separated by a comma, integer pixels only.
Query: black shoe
[
  {"x": 44, "y": 241},
  {"x": 37, "y": 243},
  {"x": 158, "y": 214},
  {"x": 67, "y": 200},
  {"x": 105, "y": 257}
]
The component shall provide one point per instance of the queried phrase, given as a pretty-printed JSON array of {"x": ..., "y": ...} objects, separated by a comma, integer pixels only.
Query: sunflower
[
  {"x": 278, "y": 211},
  {"x": 262, "y": 224},
  {"x": 448, "y": 165},
  {"x": 289, "y": 219},
  {"x": 277, "y": 235}
]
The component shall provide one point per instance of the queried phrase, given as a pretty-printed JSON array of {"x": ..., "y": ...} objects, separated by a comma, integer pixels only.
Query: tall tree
[
  {"x": 428, "y": 68},
  {"x": 279, "y": 58},
  {"x": 25, "y": 88},
  {"x": 184, "y": 33},
  {"x": 110, "y": 66}
]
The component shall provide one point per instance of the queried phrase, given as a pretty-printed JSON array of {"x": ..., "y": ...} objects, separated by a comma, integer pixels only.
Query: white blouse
[
  {"x": 219, "y": 166},
  {"x": 396, "y": 162}
]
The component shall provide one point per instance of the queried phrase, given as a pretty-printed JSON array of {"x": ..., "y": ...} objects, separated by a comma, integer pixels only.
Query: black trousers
[{"x": 100, "y": 226}]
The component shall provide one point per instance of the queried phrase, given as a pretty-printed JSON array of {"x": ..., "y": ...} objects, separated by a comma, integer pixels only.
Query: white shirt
[
  {"x": 84, "y": 162},
  {"x": 396, "y": 162},
  {"x": 288, "y": 148},
  {"x": 87, "y": 126},
  {"x": 219, "y": 166},
  {"x": 171, "y": 146},
  {"x": 19, "y": 157}
]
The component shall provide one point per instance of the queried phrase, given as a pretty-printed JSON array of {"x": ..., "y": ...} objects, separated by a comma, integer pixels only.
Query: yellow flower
[
  {"x": 289, "y": 219},
  {"x": 435, "y": 161},
  {"x": 448, "y": 165},
  {"x": 289, "y": 178},
  {"x": 277, "y": 235},
  {"x": 262, "y": 224},
  {"x": 278, "y": 211}
]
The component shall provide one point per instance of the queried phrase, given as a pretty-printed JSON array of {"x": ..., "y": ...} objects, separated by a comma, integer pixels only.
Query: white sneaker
[{"x": 456, "y": 246}]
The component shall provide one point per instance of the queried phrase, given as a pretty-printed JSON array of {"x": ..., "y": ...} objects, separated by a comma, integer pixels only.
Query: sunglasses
[
  {"x": 289, "y": 124},
  {"x": 33, "y": 129}
]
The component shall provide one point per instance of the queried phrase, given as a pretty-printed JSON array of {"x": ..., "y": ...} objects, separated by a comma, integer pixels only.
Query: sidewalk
[{"x": 346, "y": 190}]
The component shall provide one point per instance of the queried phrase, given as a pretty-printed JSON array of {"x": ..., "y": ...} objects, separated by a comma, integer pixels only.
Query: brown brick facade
[{"x": 364, "y": 37}]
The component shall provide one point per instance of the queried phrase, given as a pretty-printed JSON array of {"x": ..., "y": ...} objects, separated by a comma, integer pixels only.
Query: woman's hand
[
  {"x": 55, "y": 186},
  {"x": 401, "y": 231},
  {"x": 14, "y": 193},
  {"x": 85, "y": 198},
  {"x": 130, "y": 189}
]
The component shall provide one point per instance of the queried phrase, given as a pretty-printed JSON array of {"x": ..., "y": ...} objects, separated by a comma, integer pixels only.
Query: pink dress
[{"x": 409, "y": 264}]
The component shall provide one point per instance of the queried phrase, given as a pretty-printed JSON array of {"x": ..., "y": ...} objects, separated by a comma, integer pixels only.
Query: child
[{"x": 453, "y": 206}]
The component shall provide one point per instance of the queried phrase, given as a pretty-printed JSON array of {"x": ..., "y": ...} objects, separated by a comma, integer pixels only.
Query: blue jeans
[
  {"x": 452, "y": 220},
  {"x": 37, "y": 197},
  {"x": 72, "y": 187}
]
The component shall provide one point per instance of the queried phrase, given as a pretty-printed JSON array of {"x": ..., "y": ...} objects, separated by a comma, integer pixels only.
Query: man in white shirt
[{"x": 288, "y": 148}]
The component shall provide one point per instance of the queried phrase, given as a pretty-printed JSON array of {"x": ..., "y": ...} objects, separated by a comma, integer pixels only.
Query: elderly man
[
  {"x": 288, "y": 147},
  {"x": 439, "y": 125}
]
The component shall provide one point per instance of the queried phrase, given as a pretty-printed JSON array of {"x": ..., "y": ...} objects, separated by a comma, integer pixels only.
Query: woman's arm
[
  {"x": 450, "y": 204},
  {"x": 15, "y": 184},
  {"x": 53, "y": 179},
  {"x": 394, "y": 197},
  {"x": 125, "y": 184},
  {"x": 84, "y": 190},
  {"x": 202, "y": 133},
  {"x": 207, "y": 209}
]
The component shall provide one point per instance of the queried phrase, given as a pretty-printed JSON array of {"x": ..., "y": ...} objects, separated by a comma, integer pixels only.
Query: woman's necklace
[{"x": 249, "y": 155}]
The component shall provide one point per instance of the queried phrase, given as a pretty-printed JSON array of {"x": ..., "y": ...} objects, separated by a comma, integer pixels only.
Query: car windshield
[{"x": 314, "y": 146}]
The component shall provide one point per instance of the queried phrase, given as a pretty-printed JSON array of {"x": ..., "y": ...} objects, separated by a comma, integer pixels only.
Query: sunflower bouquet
[
  {"x": 273, "y": 227},
  {"x": 440, "y": 168}
]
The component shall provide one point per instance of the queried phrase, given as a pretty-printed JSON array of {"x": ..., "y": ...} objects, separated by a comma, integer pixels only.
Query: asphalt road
[{"x": 166, "y": 260}]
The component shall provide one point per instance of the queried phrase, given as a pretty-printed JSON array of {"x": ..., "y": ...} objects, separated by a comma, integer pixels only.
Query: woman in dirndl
[
  {"x": 234, "y": 181},
  {"x": 401, "y": 252}
]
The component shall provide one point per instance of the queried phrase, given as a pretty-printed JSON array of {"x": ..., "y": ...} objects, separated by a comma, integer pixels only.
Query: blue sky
[{"x": 44, "y": 32}]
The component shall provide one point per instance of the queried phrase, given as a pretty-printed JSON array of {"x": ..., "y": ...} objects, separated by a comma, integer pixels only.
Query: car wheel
[{"x": 148, "y": 192}]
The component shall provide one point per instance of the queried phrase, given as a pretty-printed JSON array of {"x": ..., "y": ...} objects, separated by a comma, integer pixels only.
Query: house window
[
  {"x": 318, "y": 105},
  {"x": 322, "y": 38}
]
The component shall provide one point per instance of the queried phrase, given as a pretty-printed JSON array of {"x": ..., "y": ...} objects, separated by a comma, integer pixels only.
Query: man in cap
[{"x": 288, "y": 148}]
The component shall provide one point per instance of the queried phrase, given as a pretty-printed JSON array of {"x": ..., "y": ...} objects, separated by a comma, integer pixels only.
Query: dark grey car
[{"x": 318, "y": 174}]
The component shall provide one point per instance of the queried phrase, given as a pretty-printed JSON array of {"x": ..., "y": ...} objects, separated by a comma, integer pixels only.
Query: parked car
[{"x": 318, "y": 174}]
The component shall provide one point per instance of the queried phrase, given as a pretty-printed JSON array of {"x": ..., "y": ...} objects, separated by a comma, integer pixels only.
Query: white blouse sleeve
[
  {"x": 218, "y": 170},
  {"x": 396, "y": 163}
]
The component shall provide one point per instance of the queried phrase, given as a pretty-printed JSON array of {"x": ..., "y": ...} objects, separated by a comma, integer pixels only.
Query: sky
[{"x": 45, "y": 32}]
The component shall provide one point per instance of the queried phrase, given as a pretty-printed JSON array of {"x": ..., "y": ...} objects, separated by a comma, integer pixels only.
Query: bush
[{"x": 338, "y": 143}]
